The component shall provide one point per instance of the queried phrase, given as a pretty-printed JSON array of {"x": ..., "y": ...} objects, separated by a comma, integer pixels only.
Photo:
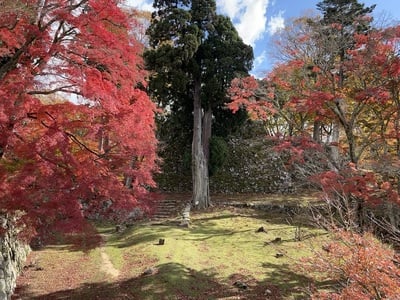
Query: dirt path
[{"x": 106, "y": 264}]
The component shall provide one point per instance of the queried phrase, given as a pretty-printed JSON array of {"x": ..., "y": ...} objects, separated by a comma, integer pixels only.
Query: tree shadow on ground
[
  {"x": 294, "y": 283},
  {"x": 204, "y": 227},
  {"x": 169, "y": 281},
  {"x": 290, "y": 282},
  {"x": 176, "y": 281},
  {"x": 133, "y": 236},
  {"x": 201, "y": 229},
  {"x": 84, "y": 241}
]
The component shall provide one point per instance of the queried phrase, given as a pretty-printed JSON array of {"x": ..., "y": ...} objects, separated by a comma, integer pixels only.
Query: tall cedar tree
[
  {"x": 194, "y": 55},
  {"x": 63, "y": 160}
]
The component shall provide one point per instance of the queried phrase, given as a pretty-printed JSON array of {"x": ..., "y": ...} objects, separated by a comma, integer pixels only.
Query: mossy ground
[{"x": 203, "y": 261}]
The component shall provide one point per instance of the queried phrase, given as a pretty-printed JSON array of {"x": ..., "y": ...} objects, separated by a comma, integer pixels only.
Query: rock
[
  {"x": 277, "y": 240},
  {"x": 261, "y": 229},
  {"x": 184, "y": 223},
  {"x": 120, "y": 228},
  {"x": 279, "y": 254},
  {"x": 274, "y": 241},
  {"x": 326, "y": 248},
  {"x": 161, "y": 241},
  {"x": 3, "y": 295},
  {"x": 240, "y": 285},
  {"x": 12, "y": 256},
  {"x": 150, "y": 271}
]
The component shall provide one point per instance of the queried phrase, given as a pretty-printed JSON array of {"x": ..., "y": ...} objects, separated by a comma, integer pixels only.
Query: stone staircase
[{"x": 168, "y": 208}]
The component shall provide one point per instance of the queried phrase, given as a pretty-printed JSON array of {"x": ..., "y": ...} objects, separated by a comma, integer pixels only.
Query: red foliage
[
  {"x": 376, "y": 55},
  {"x": 295, "y": 147},
  {"x": 243, "y": 93},
  {"x": 61, "y": 160},
  {"x": 352, "y": 183},
  {"x": 363, "y": 267}
]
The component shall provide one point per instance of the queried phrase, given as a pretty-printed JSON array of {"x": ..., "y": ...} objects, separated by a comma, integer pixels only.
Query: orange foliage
[{"x": 363, "y": 267}]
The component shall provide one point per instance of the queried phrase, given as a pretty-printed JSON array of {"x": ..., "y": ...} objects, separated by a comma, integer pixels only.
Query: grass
[{"x": 203, "y": 261}]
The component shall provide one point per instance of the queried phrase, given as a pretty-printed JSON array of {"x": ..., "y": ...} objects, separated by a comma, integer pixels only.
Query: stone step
[
  {"x": 165, "y": 212},
  {"x": 163, "y": 217},
  {"x": 167, "y": 209},
  {"x": 168, "y": 205}
]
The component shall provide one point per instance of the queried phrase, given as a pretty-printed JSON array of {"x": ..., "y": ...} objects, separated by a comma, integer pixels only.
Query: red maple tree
[
  {"x": 361, "y": 189},
  {"x": 76, "y": 126}
]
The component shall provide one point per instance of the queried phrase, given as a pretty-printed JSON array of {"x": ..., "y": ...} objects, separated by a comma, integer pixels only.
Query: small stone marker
[{"x": 186, "y": 216}]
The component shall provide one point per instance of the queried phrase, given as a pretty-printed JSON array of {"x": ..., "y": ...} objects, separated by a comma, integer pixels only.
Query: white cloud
[
  {"x": 230, "y": 8},
  {"x": 276, "y": 23},
  {"x": 140, "y": 4},
  {"x": 252, "y": 23},
  {"x": 260, "y": 59},
  {"x": 248, "y": 16},
  {"x": 259, "y": 69}
]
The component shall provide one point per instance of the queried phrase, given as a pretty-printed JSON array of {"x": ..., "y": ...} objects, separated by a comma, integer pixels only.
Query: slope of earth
[{"x": 226, "y": 253}]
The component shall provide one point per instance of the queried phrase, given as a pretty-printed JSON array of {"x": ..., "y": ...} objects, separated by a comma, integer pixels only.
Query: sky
[{"x": 258, "y": 20}]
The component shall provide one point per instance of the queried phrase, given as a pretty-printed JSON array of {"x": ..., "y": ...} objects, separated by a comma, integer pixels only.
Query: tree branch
[
  {"x": 71, "y": 136},
  {"x": 59, "y": 89}
]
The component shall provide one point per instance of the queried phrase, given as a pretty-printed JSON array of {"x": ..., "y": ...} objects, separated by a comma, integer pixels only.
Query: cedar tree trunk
[
  {"x": 207, "y": 123},
  {"x": 201, "y": 193}
]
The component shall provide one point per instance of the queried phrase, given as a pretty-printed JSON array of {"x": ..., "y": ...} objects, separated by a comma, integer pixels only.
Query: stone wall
[
  {"x": 251, "y": 166},
  {"x": 12, "y": 256}
]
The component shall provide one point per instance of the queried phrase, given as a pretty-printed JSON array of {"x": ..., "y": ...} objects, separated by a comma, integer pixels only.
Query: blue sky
[{"x": 257, "y": 20}]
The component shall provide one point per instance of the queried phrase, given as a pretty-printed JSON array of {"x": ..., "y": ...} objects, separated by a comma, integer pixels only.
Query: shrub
[
  {"x": 363, "y": 267},
  {"x": 218, "y": 153}
]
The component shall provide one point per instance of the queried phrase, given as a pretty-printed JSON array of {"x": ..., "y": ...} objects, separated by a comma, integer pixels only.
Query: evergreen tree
[
  {"x": 341, "y": 20},
  {"x": 194, "y": 55}
]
